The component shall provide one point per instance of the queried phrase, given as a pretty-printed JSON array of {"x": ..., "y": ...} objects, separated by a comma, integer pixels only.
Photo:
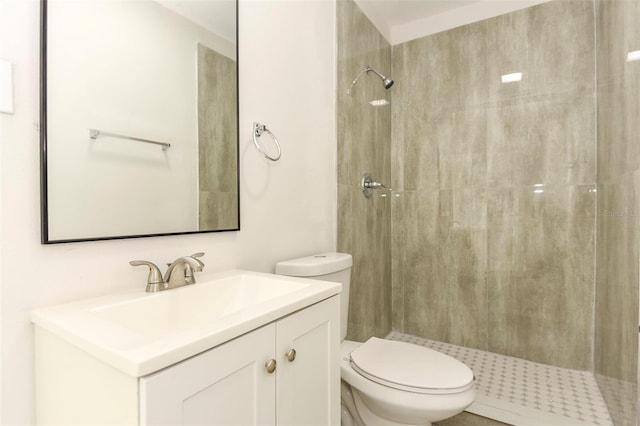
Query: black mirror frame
[{"x": 44, "y": 196}]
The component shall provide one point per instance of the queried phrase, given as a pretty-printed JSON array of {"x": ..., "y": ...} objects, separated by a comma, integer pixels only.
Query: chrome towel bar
[{"x": 94, "y": 134}]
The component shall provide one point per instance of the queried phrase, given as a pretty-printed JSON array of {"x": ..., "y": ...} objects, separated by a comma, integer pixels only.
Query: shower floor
[{"x": 521, "y": 392}]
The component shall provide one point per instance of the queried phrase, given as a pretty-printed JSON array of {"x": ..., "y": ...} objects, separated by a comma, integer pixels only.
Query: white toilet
[{"x": 392, "y": 383}]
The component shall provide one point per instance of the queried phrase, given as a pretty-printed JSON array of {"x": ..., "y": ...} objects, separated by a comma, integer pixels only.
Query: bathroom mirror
[{"x": 139, "y": 118}]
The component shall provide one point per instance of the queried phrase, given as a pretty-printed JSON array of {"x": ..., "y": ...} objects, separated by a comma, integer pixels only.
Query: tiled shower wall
[
  {"x": 493, "y": 229},
  {"x": 481, "y": 257},
  {"x": 217, "y": 133},
  {"x": 616, "y": 315},
  {"x": 364, "y": 132}
]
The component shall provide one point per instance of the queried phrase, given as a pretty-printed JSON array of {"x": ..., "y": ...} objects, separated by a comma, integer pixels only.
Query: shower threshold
[{"x": 521, "y": 392}]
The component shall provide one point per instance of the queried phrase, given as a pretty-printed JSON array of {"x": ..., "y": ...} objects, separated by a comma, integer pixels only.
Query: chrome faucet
[{"x": 180, "y": 273}]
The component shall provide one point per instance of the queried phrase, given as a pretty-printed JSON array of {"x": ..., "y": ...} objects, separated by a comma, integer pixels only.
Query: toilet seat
[{"x": 410, "y": 367}]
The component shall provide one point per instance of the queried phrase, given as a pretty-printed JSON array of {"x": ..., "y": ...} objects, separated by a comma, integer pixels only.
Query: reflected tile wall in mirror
[{"x": 217, "y": 156}]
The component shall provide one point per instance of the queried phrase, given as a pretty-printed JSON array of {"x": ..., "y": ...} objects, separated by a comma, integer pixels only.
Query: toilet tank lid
[{"x": 316, "y": 265}]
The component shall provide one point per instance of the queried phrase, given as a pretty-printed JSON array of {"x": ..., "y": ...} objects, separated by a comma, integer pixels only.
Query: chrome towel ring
[{"x": 258, "y": 130}]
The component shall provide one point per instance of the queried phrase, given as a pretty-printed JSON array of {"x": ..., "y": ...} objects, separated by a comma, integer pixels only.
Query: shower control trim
[{"x": 367, "y": 184}]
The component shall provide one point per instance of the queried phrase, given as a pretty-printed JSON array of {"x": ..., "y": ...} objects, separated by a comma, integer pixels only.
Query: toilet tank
[{"x": 335, "y": 267}]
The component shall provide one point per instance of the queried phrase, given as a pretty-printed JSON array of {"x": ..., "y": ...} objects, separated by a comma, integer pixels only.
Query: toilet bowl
[
  {"x": 388, "y": 382},
  {"x": 397, "y": 383}
]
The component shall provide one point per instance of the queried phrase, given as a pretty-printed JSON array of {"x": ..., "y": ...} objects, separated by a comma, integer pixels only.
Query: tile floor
[
  {"x": 569, "y": 393},
  {"x": 467, "y": 419},
  {"x": 620, "y": 395}
]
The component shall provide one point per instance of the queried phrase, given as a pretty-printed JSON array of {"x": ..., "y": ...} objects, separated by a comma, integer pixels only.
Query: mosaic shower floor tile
[{"x": 541, "y": 388}]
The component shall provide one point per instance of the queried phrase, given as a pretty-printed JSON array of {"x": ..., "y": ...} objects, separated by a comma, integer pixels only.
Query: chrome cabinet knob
[
  {"x": 291, "y": 355},
  {"x": 270, "y": 366}
]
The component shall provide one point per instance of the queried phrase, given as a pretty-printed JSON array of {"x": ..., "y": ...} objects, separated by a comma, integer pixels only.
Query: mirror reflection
[{"x": 140, "y": 133}]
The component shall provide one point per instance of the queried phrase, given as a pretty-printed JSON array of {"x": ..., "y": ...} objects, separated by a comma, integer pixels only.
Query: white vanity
[{"x": 237, "y": 348}]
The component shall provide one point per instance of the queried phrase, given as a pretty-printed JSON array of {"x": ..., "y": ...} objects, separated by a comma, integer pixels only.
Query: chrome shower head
[{"x": 387, "y": 82}]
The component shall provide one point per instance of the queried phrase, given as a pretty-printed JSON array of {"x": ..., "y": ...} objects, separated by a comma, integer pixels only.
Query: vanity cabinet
[{"x": 229, "y": 384}]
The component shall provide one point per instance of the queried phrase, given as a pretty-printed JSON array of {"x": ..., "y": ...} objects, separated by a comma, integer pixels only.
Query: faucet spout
[{"x": 180, "y": 271}]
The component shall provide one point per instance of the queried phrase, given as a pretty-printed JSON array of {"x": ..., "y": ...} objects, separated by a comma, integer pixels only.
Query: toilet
[{"x": 386, "y": 382}]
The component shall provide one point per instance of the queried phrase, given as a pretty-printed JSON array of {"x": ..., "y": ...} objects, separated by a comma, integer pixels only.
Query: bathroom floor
[
  {"x": 467, "y": 419},
  {"x": 537, "y": 388}
]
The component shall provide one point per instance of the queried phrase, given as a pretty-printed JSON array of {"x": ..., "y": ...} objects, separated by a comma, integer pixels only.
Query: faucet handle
[
  {"x": 154, "y": 280},
  {"x": 196, "y": 255},
  {"x": 189, "y": 278}
]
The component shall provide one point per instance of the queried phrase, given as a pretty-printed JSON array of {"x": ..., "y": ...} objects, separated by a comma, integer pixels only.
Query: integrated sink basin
[
  {"x": 140, "y": 333},
  {"x": 171, "y": 311}
]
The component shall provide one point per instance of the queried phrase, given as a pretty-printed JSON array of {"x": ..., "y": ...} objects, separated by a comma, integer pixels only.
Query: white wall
[
  {"x": 456, "y": 14},
  {"x": 287, "y": 81}
]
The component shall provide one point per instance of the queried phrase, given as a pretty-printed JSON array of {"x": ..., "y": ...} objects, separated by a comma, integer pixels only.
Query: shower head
[{"x": 387, "y": 82}]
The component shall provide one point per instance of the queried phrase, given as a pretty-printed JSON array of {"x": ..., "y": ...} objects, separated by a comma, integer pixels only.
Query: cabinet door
[
  {"x": 308, "y": 388},
  {"x": 227, "y": 385}
]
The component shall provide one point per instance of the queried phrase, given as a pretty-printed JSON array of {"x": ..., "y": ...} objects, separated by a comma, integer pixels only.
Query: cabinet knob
[
  {"x": 291, "y": 355},
  {"x": 270, "y": 366}
]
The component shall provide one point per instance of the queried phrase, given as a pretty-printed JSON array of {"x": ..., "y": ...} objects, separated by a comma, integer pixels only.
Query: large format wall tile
[
  {"x": 364, "y": 228},
  {"x": 548, "y": 140},
  {"x": 551, "y": 44},
  {"x": 447, "y": 69},
  {"x": 541, "y": 284},
  {"x": 616, "y": 316},
  {"x": 616, "y": 313},
  {"x": 480, "y": 259},
  {"x": 364, "y": 132},
  {"x": 422, "y": 264}
]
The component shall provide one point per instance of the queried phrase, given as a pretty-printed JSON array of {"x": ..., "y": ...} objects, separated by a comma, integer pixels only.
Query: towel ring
[{"x": 258, "y": 130}]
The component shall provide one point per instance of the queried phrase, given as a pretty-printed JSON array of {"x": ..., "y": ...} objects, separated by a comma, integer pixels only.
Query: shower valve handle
[
  {"x": 367, "y": 184},
  {"x": 374, "y": 185}
]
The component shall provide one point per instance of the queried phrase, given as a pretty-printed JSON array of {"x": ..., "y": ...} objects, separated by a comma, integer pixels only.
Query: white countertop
[{"x": 140, "y": 333}]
